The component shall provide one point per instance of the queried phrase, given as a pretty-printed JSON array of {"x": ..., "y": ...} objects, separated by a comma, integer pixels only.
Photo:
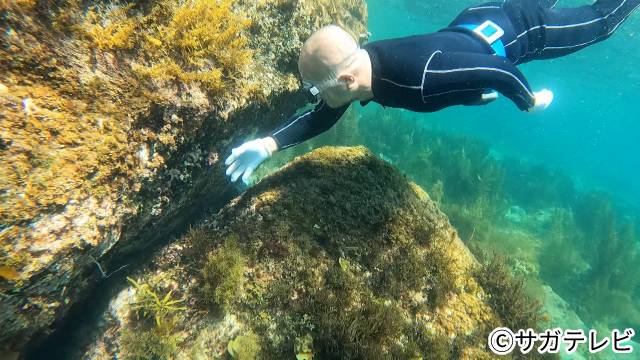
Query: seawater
[{"x": 592, "y": 129}]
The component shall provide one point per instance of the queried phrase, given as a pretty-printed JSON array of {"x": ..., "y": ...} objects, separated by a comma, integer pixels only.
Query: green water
[{"x": 557, "y": 192}]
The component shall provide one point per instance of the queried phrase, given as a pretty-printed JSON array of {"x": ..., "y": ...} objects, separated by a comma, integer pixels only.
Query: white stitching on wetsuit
[
  {"x": 565, "y": 26},
  {"x": 594, "y": 40},
  {"x": 298, "y": 118},
  {"x": 424, "y": 73},
  {"x": 404, "y": 86},
  {"x": 483, "y": 68},
  {"x": 484, "y": 7},
  {"x": 452, "y": 91}
]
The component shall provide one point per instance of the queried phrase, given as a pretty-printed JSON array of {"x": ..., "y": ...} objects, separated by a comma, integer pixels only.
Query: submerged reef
[
  {"x": 335, "y": 256},
  {"x": 577, "y": 250},
  {"x": 113, "y": 119}
]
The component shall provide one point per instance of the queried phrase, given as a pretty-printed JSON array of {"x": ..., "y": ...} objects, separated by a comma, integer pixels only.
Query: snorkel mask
[{"x": 314, "y": 91}]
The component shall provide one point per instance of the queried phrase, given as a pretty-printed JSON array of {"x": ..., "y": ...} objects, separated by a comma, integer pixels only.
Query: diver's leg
[
  {"x": 599, "y": 23},
  {"x": 557, "y": 32},
  {"x": 547, "y": 4}
]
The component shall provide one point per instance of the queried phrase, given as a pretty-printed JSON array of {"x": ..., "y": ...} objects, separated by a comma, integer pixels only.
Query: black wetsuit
[{"x": 455, "y": 66}]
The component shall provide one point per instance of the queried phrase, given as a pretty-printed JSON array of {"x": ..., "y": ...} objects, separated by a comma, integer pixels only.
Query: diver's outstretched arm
[
  {"x": 311, "y": 123},
  {"x": 245, "y": 158}
]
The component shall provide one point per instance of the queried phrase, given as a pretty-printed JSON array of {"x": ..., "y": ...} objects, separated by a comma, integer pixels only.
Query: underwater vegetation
[
  {"x": 357, "y": 276},
  {"x": 335, "y": 256},
  {"x": 114, "y": 117},
  {"x": 151, "y": 331},
  {"x": 152, "y": 304},
  {"x": 244, "y": 347},
  {"x": 223, "y": 274},
  {"x": 70, "y": 129},
  {"x": 188, "y": 42},
  {"x": 509, "y": 298},
  {"x": 142, "y": 344},
  {"x": 581, "y": 243},
  {"x": 608, "y": 242}
]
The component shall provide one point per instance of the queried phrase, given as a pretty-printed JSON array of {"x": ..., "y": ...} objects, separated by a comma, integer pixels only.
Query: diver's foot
[{"x": 543, "y": 99}]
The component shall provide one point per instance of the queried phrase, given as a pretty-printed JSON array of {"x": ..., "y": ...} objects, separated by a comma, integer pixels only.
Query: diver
[{"x": 467, "y": 63}]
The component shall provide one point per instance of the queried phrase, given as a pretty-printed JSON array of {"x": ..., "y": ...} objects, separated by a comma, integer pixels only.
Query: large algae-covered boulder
[
  {"x": 337, "y": 255},
  {"x": 113, "y": 119}
]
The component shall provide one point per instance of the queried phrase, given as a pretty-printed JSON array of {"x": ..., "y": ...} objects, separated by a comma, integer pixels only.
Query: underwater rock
[
  {"x": 110, "y": 119},
  {"x": 342, "y": 257}
]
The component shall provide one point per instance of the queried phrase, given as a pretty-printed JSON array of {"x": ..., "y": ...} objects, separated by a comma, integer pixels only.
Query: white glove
[
  {"x": 543, "y": 99},
  {"x": 246, "y": 157}
]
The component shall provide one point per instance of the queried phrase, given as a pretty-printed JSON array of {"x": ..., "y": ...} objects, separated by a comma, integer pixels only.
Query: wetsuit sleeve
[
  {"x": 458, "y": 71},
  {"x": 311, "y": 123}
]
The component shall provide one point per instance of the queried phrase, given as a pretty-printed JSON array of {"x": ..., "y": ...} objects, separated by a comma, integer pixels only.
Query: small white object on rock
[
  {"x": 143, "y": 154},
  {"x": 28, "y": 106}
]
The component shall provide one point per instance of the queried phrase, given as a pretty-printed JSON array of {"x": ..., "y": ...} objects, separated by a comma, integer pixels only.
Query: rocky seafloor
[{"x": 337, "y": 255}]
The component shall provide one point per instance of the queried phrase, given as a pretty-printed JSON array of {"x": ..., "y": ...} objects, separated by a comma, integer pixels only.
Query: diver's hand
[
  {"x": 245, "y": 158},
  {"x": 543, "y": 99}
]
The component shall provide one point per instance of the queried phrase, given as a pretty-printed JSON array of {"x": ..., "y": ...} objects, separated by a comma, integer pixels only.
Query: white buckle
[{"x": 492, "y": 38}]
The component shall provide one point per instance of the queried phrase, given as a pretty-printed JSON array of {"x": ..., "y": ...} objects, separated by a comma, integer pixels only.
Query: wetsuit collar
[{"x": 375, "y": 74}]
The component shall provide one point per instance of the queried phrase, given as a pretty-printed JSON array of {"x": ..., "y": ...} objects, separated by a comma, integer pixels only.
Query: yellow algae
[
  {"x": 223, "y": 274},
  {"x": 56, "y": 153},
  {"x": 9, "y": 273},
  {"x": 114, "y": 31},
  {"x": 419, "y": 191},
  {"x": 195, "y": 41},
  {"x": 70, "y": 134},
  {"x": 78, "y": 107}
]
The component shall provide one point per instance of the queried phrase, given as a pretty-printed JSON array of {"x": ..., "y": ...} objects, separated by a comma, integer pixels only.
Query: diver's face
[{"x": 336, "y": 96}]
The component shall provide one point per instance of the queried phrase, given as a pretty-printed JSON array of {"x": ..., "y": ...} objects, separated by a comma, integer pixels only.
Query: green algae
[
  {"x": 517, "y": 310},
  {"x": 342, "y": 247},
  {"x": 145, "y": 344},
  {"x": 223, "y": 275},
  {"x": 580, "y": 243},
  {"x": 150, "y": 303},
  {"x": 245, "y": 347}
]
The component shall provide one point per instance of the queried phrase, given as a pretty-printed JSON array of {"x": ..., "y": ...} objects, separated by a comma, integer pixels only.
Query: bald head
[{"x": 325, "y": 52}]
